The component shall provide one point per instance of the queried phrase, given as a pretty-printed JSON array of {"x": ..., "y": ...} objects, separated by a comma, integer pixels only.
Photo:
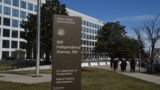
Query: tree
[
  {"x": 152, "y": 30},
  {"x": 47, "y": 10},
  {"x": 141, "y": 45},
  {"x": 111, "y": 40}
]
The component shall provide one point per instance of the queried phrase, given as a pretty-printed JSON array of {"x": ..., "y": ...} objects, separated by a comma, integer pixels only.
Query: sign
[{"x": 66, "y": 74}]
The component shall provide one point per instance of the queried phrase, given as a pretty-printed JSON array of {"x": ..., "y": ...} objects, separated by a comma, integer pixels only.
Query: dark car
[
  {"x": 142, "y": 63},
  {"x": 156, "y": 65}
]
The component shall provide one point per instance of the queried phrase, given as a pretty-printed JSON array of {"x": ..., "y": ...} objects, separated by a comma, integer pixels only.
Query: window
[
  {"x": 35, "y": 8},
  {"x": 14, "y": 44},
  {"x": 29, "y": 14},
  {"x": 23, "y": 14},
  {"x": 0, "y": 20},
  {"x": 16, "y": 3},
  {"x": 0, "y": 31},
  {"x": 14, "y": 34},
  {"x": 22, "y": 45},
  {"x": 7, "y": 10},
  {"x": 22, "y": 34},
  {"x": 30, "y": 6},
  {"x": 0, "y": 9},
  {"x": 5, "y": 44},
  {"x": 15, "y": 12},
  {"x": 23, "y": 4},
  {"x": 6, "y": 32},
  {"x": 7, "y": 1},
  {"x": 6, "y": 21},
  {"x": 14, "y": 23},
  {"x": 5, "y": 54},
  {"x": 13, "y": 54}
]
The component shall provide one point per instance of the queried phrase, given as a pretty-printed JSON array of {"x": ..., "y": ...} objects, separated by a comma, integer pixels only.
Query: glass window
[
  {"x": 13, "y": 54},
  {"x": 35, "y": 8},
  {"x": 7, "y": 10},
  {"x": 14, "y": 23},
  {"x": 5, "y": 44},
  {"x": 14, "y": 44},
  {"x": 23, "y": 4},
  {"x": 30, "y": 6},
  {"x": 14, "y": 34},
  {"x": 6, "y": 32},
  {"x": 23, "y": 14},
  {"x": 0, "y": 20},
  {"x": 0, "y": 31},
  {"x": 22, "y": 34},
  {"x": 29, "y": 14},
  {"x": 7, "y": 1},
  {"x": 15, "y": 3},
  {"x": 22, "y": 45},
  {"x": 5, "y": 54},
  {"x": 0, "y": 9},
  {"x": 85, "y": 23},
  {"x": 15, "y": 13},
  {"x": 6, "y": 21}
]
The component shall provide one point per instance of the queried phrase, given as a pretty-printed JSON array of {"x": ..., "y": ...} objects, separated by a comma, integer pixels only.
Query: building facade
[
  {"x": 12, "y": 12},
  {"x": 90, "y": 27}
]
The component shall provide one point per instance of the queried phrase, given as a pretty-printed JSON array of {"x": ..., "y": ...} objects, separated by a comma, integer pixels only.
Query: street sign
[{"x": 66, "y": 67}]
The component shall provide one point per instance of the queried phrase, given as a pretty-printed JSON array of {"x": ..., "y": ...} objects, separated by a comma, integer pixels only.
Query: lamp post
[{"x": 38, "y": 38}]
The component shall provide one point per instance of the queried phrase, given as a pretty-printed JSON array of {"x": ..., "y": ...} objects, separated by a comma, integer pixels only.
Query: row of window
[
  {"x": 87, "y": 49},
  {"x": 87, "y": 36},
  {"x": 89, "y": 30},
  {"x": 21, "y": 4},
  {"x": 6, "y": 22},
  {"x": 14, "y": 44},
  {"x": 6, "y": 54},
  {"x": 88, "y": 43},
  {"x": 14, "y": 33},
  {"x": 15, "y": 12},
  {"x": 90, "y": 24}
]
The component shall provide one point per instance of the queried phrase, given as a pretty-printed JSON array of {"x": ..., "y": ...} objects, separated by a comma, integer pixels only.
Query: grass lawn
[
  {"x": 5, "y": 67},
  {"x": 92, "y": 79}
]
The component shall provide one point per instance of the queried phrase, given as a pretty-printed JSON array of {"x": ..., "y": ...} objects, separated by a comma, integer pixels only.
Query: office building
[
  {"x": 90, "y": 27},
  {"x": 12, "y": 12}
]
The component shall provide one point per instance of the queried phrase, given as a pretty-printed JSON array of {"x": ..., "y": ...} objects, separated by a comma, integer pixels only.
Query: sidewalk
[
  {"x": 29, "y": 79},
  {"x": 140, "y": 75}
]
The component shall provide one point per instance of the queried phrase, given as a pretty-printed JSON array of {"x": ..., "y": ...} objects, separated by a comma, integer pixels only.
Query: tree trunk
[{"x": 152, "y": 58}]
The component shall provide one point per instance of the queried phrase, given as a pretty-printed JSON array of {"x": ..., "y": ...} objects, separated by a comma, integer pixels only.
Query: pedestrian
[
  {"x": 132, "y": 65},
  {"x": 111, "y": 63},
  {"x": 123, "y": 65},
  {"x": 115, "y": 64}
]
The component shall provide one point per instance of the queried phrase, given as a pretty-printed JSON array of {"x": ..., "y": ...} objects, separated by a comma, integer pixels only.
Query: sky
[{"x": 130, "y": 13}]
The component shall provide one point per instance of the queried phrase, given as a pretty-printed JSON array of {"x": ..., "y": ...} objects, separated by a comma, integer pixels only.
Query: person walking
[
  {"x": 132, "y": 65},
  {"x": 111, "y": 64},
  {"x": 123, "y": 65},
  {"x": 115, "y": 64}
]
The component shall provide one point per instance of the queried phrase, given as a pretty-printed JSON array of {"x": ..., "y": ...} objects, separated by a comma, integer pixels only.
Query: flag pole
[{"x": 38, "y": 38}]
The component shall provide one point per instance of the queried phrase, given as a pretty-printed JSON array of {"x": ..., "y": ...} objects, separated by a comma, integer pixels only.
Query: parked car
[
  {"x": 156, "y": 65},
  {"x": 144, "y": 63}
]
